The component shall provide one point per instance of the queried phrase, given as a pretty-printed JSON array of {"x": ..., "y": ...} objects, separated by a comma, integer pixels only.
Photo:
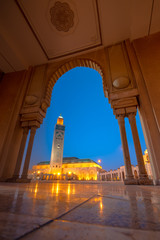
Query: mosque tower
[{"x": 57, "y": 147}]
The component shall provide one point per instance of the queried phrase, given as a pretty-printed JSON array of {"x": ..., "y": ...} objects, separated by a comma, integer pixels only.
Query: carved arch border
[{"x": 79, "y": 62}]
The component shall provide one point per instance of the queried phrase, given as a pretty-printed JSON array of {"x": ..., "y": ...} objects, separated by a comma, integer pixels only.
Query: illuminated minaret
[{"x": 57, "y": 146}]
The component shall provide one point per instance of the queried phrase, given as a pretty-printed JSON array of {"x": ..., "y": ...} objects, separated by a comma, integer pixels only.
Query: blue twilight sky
[{"x": 91, "y": 128}]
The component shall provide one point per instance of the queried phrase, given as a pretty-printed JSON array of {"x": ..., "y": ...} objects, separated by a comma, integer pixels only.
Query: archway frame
[
  {"x": 65, "y": 68},
  {"x": 95, "y": 60}
]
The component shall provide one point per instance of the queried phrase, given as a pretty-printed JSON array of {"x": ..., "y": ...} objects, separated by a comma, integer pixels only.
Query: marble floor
[{"x": 79, "y": 211}]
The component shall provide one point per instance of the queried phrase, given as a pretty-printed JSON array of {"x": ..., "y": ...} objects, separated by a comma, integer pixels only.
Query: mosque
[
  {"x": 73, "y": 168},
  {"x": 64, "y": 168}
]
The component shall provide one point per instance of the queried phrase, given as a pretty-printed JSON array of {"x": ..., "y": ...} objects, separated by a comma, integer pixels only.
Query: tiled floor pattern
[{"x": 63, "y": 210}]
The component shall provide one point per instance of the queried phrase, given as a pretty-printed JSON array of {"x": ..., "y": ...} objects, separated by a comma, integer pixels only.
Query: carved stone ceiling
[
  {"x": 34, "y": 32},
  {"x": 59, "y": 25}
]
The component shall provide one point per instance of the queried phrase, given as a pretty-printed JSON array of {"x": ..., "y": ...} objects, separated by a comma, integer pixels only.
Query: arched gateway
[{"x": 118, "y": 68}]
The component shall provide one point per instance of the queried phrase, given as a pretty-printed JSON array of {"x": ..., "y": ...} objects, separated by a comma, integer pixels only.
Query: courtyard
[{"x": 79, "y": 210}]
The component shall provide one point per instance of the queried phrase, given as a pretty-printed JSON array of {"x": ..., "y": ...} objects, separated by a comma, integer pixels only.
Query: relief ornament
[{"x": 62, "y": 16}]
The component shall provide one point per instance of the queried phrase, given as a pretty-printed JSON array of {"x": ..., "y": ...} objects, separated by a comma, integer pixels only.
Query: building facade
[
  {"x": 72, "y": 169},
  {"x": 120, "y": 173}
]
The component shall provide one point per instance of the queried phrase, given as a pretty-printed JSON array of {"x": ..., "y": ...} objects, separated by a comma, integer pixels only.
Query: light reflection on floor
[{"x": 97, "y": 206}]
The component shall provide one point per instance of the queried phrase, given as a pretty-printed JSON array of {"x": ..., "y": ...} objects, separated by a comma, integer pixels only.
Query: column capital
[
  {"x": 33, "y": 129},
  {"x": 30, "y": 124},
  {"x": 120, "y": 118},
  {"x": 25, "y": 130},
  {"x": 120, "y": 112},
  {"x": 131, "y": 117},
  {"x": 132, "y": 114},
  {"x": 131, "y": 110}
]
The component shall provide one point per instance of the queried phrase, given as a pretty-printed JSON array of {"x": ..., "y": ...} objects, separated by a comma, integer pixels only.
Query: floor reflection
[{"x": 116, "y": 205}]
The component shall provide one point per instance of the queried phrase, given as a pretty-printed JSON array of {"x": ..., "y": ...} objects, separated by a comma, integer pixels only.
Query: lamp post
[{"x": 99, "y": 161}]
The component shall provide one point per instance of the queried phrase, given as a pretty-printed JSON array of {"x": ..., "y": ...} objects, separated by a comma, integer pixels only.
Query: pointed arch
[{"x": 80, "y": 62}]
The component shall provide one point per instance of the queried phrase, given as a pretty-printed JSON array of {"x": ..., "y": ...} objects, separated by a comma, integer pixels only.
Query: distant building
[
  {"x": 72, "y": 168},
  {"x": 119, "y": 174},
  {"x": 64, "y": 168}
]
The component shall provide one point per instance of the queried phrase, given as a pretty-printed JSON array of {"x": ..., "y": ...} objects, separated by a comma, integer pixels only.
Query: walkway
[{"x": 79, "y": 211}]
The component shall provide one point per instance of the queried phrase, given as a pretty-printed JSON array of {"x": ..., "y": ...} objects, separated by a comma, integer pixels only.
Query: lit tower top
[
  {"x": 57, "y": 146},
  {"x": 60, "y": 120}
]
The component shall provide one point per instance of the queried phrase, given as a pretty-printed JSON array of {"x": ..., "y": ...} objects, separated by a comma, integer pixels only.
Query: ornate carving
[
  {"x": 62, "y": 16},
  {"x": 121, "y": 82},
  {"x": 30, "y": 100},
  {"x": 124, "y": 102},
  {"x": 44, "y": 106}
]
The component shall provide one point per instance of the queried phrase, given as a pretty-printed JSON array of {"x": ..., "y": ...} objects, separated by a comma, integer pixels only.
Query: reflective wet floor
[{"x": 79, "y": 210}]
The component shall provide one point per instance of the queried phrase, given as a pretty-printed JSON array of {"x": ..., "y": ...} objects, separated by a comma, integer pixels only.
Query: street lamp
[{"x": 99, "y": 160}]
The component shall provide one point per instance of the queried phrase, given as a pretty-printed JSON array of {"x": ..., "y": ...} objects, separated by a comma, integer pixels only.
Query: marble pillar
[
  {"x": 20, "y": 155},
  {"x": 128, "y": 168},
  {"x": 143, "y": 177},
  {"x": 29, "y": 151}
]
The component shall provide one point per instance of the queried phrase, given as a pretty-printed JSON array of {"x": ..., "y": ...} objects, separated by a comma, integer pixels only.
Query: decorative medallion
[
  {"x": 62, "y": 16},
  {"x": 30, "y": 100},
  {"x": 121, "y": 82}
]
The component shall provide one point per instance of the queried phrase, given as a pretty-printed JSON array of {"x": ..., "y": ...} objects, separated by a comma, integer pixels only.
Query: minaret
[{"x": 57, "y": 146}]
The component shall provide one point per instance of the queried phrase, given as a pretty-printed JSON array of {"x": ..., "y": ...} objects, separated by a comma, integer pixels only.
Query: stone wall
[
  {"x": 148, "y": 55},
  {"x": 144, "y": 56},
  {"x": 12, "y": 92}
]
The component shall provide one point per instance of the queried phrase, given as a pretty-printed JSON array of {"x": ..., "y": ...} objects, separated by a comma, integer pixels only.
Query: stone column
[
  {"x": 129, "y": 176},
  {"x": 20, "y": 155},
  {"x": 142, "y": 171},
  {"x": 28, "y": 155}
]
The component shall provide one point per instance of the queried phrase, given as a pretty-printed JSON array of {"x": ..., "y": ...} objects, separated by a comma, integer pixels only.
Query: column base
[
  {"x": 18, "y": 180},
  {"x": 23, "y": 180},
  {"x": 156, "y": 182},
  {"x": 145, "y": 181},
  {"x": 2, "y": 179},
  {"x": 13, "y": 179},
  {"x": 131, "y": 182}
]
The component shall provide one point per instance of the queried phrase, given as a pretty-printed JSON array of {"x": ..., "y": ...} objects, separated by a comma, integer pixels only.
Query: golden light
[
  {"x": 38, "y": 172},
  {"x": 101, "y": 205},
  {"x": 73, "y": 190},
  {"x": 53, "y": 189},
  {"x": 36, "y": 189},
  {"x": 58, "y": 173},
  {"x": 69, "y": 173},
  {"x": 60, "y": 120},
  {"x": 69, "y": 189},
  {"x": 99, "y": 160},
  {"x": 57, "y": 189}
]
